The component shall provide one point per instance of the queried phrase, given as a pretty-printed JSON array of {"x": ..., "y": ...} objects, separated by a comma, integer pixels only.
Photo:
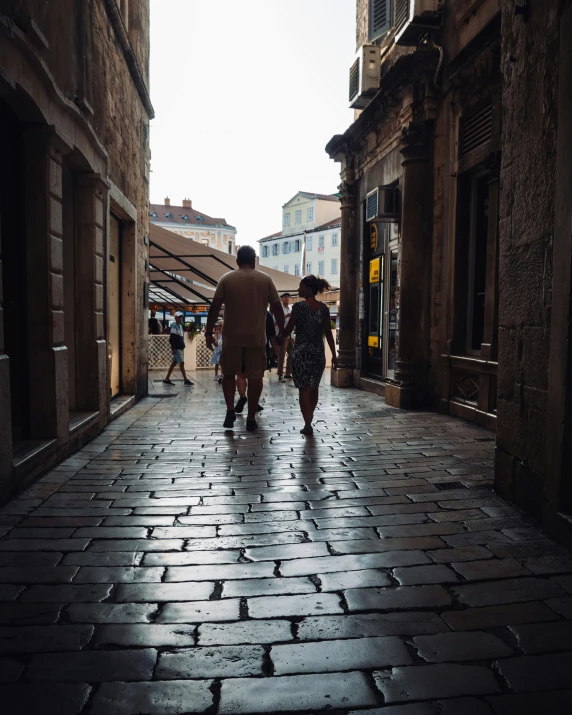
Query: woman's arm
[
  {"x": 330, "y": 339},
  {"x": 290, "y": 327}
]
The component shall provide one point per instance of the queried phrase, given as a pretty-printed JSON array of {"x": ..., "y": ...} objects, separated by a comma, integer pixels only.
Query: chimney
[
  {"x": 167, "y": 201},
  {"x": 187, "y": 204}
]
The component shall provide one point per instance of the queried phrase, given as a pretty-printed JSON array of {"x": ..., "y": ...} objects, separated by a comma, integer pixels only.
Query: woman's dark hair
[
  {"x": 246, "y": 256},
  {"x": 315, "y": 284}
]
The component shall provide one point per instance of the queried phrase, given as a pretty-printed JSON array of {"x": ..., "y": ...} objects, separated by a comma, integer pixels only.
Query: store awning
[{"x": 175, "y": 260}]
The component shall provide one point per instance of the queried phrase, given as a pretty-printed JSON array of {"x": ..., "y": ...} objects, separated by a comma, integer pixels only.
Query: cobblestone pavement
[{"x": 172, "y": 567}]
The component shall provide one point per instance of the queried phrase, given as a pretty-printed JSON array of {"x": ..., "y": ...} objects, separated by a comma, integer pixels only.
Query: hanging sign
[
  {"x": 373, "y": 237},
  {"x": 375, "y": 270},
  {"x": 373, "y": 341}
]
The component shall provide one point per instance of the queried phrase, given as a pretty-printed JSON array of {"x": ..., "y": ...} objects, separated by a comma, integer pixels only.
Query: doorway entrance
[
  {"x": 114, "y": 309},
  {"x": 382, "y": 317},
  {"x": 14, "y": 270}
]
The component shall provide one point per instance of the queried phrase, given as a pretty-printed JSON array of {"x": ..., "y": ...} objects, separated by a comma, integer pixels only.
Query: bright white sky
[{"x": 247, "y": 93}]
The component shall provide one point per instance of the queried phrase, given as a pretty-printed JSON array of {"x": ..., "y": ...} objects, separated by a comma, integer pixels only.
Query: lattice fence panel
[
  {"x": 160, "y": 353},
  {"x": 204, "y": 355}
]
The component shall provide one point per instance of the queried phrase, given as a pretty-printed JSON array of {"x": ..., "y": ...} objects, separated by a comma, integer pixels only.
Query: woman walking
[
  {"x": 311, "y": 319},
  {"x": 215, "y": 359}
]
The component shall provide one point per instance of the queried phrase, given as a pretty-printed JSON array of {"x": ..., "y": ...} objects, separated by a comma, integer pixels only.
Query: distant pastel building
[
  {"x": 190, "y": 223},
  {"x": 315, "y": 220}
]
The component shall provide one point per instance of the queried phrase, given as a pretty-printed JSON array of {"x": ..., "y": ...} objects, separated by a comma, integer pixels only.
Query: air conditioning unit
[
  {"x": 365, "y": 76},
  {"x": 414, "y": 18},
  {"x": 382, "y": 204}
]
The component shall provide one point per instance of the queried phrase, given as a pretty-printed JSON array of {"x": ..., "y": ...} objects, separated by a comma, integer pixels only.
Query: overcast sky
[{"x": 247, "y": 93}]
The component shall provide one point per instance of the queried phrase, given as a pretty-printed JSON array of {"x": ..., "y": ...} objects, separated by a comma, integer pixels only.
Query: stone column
[
  {"x": 49, "y": 410},
  {"x": 409, "y": 388},
  {"x": 91, "y": 264},
  {"x": 349, "y": 252}
]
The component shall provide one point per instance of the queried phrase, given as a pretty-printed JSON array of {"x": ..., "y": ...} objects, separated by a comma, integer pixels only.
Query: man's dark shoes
[
  {"x": 287, "y": 377},
  {"x": 240, "y": 405},
  {"x": 251, "y": 425},
  {"x": 259, "y": 408},
  {"x": 188, "y": 383},
  {"x": 230, "y": 419}
]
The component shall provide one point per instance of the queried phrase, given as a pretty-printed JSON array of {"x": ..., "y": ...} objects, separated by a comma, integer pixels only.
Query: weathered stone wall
[
  {"x": 69, "y": 77},
  {"x": 362, "y": 22},
  {"x": 530, "y": 71}
]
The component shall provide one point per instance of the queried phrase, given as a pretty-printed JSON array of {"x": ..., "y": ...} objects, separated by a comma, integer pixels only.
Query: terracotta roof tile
[{"x": 174, "y": 215}]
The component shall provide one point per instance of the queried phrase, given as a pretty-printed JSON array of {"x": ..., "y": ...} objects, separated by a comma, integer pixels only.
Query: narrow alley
[{"x": 171, "y": 567}]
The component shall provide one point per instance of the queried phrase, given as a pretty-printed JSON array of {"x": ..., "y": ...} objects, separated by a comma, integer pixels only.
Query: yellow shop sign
[
  {"x": 373, "y": 237},
  {"x": 373, "y": 341},
  {"x": 375, "y": 270}
]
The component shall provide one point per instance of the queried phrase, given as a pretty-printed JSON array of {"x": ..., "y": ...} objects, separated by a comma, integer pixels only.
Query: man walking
[
  {"x": 246, "y": 294},
  {"x": 177, "y": 342},
  {"x": 287, "y": 345}
]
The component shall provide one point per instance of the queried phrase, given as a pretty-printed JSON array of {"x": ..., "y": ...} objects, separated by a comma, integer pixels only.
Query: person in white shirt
[
  {"x": 177, "y": 343},
  {"x": 286, "y": 347}
]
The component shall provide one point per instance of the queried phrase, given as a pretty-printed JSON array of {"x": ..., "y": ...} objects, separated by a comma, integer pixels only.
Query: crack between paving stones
[
  {"x": 86, "y": 707},
  {"x": 215, "y": 689},
  {"x": 243, "y": 610}
]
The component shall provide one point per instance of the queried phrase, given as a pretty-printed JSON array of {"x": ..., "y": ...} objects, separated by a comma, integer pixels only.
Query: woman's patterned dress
[{"x": 308, "y": 356}]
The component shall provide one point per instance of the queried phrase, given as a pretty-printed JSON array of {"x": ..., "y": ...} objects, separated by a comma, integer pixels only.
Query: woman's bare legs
[{"x": 308, "y": 402}]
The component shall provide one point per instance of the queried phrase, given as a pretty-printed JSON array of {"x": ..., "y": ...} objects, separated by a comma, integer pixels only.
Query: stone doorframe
[
  {"x": 131, "y": 311},
  {"x": 558, "y": 486}
]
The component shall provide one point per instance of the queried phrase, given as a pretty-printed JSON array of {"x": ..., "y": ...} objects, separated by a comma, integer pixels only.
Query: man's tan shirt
[{"x": 246, "y": 294}]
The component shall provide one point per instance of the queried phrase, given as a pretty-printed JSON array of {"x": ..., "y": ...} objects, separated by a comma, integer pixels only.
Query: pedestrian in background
[
  {"x": 153, "y": 324},
  {"x": 311, "y": 318},
  {"x": 215, "y": 359},
  {"x": 177, "y": 343},
  {"x": 287, "y": 345}
]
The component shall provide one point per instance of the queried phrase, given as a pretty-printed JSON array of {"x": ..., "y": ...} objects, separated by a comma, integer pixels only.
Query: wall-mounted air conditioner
[
  {"x": 414, "y": 18},
  {"x": 382, "y": 204},
  {"x": 365, "y": 76}
]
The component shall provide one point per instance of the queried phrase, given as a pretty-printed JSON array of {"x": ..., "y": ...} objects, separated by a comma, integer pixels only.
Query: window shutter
[
  {"x": 380, "y": 18},
  {"x": 476, "y": 129},
  {"x": 401, "y": 14},
  {"x": 371, "y": 206}
]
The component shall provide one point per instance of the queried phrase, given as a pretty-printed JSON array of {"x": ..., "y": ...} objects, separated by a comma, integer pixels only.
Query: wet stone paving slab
[{"x": 173, "y": 567}]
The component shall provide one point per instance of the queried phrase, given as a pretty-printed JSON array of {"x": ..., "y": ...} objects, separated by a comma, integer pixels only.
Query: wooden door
[{"x": 115, "y": 306}]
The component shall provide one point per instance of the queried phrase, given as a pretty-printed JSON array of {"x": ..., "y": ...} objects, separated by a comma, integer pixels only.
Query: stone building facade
[
  {"x": 189, "y": 222},
  {"x": 74, "y": 129},
  {"x": 450, "y": 218}
]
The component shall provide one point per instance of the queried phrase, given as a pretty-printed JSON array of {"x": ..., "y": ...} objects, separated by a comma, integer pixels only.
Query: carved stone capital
[
  {"x": 415, "y": 141},
  {"x": 348, "y": 195}
]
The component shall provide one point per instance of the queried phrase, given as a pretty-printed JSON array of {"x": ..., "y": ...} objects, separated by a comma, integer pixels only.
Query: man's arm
[
  {"x": 278, "y": 313},
  {"x": 212, "y": 317}
]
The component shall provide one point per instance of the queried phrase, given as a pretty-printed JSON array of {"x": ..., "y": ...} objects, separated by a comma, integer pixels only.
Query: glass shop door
[{"x": 375, "y": 305}]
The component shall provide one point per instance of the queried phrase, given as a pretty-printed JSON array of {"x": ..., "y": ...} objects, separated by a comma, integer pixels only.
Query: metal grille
[
  {"x": 476, "y": 129},
  {"x": 467, "y": 388},
  {"x": 354, "y": 79},
  {"x": 402, "y": 14},
  {"x": 371, "y": 209}
]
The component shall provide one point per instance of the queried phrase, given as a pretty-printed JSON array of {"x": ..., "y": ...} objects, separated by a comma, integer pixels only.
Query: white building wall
[{"x": 290, "y": 262}]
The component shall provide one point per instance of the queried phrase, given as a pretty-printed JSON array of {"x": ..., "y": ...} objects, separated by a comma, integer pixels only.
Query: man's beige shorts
[{"x": 250, "y": 361}]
